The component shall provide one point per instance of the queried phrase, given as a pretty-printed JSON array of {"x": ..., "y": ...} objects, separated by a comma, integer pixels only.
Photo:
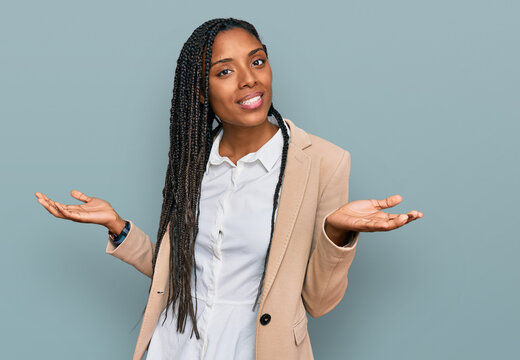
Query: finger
[
  {"x": 414, "y": 214},
  {"x": 386, "y": 216},
  {"x": 400, "y": 220},
  {"x": 48, "y": 200},
  {"x": 80, "y": 196},
  {"x": 76, "y": 208},
  {"x": 70, "y": 214},
  {"x": 380, "y": 225},
  {"x": 50, "y": 207},
  {"x": 381, "y": 215},
  {"x": 61, "y": 210},
  {"x": 39, "y": 195},
  {"x": 388, "y": 202}
]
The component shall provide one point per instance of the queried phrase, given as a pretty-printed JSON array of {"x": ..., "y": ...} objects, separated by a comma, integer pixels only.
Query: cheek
[
  {"x": 268, "y": 76},
  {"x": 214, "y": 94},
  {"x": 220, "y": 98},
  {"x": 267, "y": 82},
  {"x": 220, "y": 95}
]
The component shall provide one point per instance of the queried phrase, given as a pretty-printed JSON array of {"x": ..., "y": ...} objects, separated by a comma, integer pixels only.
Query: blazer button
[{"x": 264, "y": 319}]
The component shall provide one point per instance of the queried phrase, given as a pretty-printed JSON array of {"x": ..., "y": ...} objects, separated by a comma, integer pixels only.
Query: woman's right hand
[{"x": 94, "y": 210}]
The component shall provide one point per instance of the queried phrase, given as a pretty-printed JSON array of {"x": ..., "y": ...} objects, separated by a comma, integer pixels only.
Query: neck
[{"x": 238, "y": 141}]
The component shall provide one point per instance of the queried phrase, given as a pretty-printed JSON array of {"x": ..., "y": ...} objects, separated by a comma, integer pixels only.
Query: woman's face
[{"x": 239, "y": 79}]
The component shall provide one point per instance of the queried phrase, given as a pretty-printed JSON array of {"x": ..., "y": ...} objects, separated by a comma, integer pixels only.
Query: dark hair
[{"x": 191, "y": 138}]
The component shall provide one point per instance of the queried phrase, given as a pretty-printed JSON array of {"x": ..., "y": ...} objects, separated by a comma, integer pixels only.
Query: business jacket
[{"x": 306, "y": 272}]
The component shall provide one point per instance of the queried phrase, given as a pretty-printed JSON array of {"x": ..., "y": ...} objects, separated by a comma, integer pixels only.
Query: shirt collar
[{"x": 268, "y": 154}]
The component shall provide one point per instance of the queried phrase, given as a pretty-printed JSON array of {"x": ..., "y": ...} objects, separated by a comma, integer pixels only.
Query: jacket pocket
[
  {"x": 300, "y": 330},
  {"x": 300, "y": 326}
]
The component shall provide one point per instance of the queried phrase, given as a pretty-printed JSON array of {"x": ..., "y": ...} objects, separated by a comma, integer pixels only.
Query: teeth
[{"x": 251, "y": 101}]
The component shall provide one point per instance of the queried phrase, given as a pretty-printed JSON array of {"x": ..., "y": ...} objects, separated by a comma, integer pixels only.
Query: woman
[{"x": 220, "y": 265}]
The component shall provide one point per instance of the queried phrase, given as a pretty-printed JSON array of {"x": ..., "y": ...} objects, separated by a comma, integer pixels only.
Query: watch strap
[{"x": 118, "y": 239}]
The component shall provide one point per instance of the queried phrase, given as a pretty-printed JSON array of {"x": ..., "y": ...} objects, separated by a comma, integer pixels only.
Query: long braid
[
  {"x": 191, "y": 139},
  {"x": 279, "y": 119}
]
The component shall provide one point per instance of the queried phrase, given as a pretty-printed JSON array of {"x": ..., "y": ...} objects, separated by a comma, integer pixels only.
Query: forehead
[{"x": 233, "y": 43}]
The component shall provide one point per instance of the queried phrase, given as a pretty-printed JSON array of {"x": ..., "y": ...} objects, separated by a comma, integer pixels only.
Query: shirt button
[{"x": 265, "y": 319}]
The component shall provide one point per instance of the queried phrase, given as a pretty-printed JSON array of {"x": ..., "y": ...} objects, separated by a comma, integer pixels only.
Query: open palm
[
  {"x": 366, "y": 216},
  {"x": 94, "y": 210}
]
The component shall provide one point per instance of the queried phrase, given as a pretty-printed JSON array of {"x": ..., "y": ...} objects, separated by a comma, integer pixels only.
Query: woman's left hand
[{"x": 366, "y": 216}]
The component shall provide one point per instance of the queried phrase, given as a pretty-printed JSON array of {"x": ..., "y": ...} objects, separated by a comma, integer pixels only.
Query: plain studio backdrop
[{"x": 424, "y": 95}]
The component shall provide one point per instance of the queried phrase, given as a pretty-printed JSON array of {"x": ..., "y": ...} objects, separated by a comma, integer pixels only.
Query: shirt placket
[{"x": 216, "y": 246}]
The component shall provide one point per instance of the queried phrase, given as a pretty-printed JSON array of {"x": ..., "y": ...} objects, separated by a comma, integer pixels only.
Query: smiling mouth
[{"x": 252, "y": 103}]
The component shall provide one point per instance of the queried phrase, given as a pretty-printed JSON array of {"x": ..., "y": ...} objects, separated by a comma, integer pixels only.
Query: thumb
[
  {"x": 80, "y": 196},
  {"x": 389, "y": 201}
]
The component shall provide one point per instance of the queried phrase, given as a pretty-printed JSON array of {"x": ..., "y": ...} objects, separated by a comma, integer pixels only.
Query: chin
[
  {"x": 248, "y": 119},
  {"x": 255, "y": 119}
]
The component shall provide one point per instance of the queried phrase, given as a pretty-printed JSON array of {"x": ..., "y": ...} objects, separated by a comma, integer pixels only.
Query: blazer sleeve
[
  {"x": 136, "y": 250},
  {"x": 326, "y": 278}
]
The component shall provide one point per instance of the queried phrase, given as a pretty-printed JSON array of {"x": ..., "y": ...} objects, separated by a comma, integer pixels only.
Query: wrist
[
  {"x": 337, "y": 236},
  {"x": 340, "y": 237},
  {"x": 116, "y": 226}
]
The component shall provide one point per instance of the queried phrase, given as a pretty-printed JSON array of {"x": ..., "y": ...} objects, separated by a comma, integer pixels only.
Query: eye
[
  {"x": 224, "y": 72},
  {"x": 256, "y": 62}
]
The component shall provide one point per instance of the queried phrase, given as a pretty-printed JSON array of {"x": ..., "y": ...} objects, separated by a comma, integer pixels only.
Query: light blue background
[{"x": 424, "y": 95}]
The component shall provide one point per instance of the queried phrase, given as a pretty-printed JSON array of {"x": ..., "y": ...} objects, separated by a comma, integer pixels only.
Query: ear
[{"x": 201, "y": 98}]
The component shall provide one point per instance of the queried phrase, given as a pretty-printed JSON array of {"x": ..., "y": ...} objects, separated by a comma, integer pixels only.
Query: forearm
[
  {"x": 326, "y": 279},
  {"x": 136, "y": 250}
]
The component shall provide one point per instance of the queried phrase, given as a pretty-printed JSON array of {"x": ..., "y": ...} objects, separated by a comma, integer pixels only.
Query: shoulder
[
  {"x": 326, "y": 150},
  {"x": 328, "y": 155},
  {"x": 331, "y": 161}
]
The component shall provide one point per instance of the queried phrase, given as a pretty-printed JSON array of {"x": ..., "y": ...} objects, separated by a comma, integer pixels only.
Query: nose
[{"x": 247, "y": 78}]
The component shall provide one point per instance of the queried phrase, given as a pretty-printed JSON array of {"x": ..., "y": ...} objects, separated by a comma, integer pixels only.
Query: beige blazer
[{"x": 306, "y": 272}]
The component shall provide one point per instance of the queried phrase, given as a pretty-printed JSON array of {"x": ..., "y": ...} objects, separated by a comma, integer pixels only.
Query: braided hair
[{"x": 191, "y": 139}]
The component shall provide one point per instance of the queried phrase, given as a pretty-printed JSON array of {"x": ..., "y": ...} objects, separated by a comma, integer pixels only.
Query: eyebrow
[{"x": 229, "y": 59}]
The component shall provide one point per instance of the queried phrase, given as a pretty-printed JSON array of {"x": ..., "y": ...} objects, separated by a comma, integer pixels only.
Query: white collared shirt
[{"x": 236, "y": 206}]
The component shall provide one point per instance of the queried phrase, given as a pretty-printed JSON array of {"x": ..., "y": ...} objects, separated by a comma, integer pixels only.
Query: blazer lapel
[{"x": 297, "y": 171}]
